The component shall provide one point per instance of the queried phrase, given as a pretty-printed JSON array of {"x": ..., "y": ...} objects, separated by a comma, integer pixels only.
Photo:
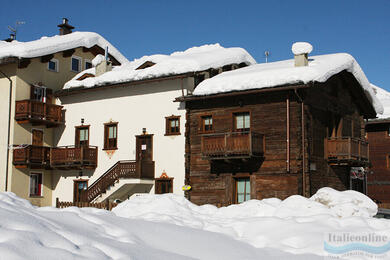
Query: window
[
  {"x": 82, "y": 136},
  {"x": 52, "y": 65},
  {"x": 87, "y": 64},
  {"x": 388, "y": 131},
  {"x": 242, "y": 121},
  {"x": 207, "y": 123},
  {"x": 36, "y": 184},
  {"x": 243, "y": 190},
  {"x": 163, "y": 185},
  {"x": 172, "y": 125},
  {"x": 41, "y": 94},
  {"x": 75, "y": 64},
  {"x": 110, "y": 136}
]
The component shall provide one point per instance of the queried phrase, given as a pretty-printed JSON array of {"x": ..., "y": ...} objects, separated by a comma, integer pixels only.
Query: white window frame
[
  {"x": 85, "y": 63},
  {"x": 29, "y": 184},
  {"x": 57, "y": 65},
  {"x": 80, "y": 63}
]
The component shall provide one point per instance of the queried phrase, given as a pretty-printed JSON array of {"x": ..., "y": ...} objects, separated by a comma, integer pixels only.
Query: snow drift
[{"x": 170, "y": 227}]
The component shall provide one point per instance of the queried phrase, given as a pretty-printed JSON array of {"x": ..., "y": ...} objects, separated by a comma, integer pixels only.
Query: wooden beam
[
  {"x": 47, "y": 58},
  {"x": 23, "y": 63},
  {"x": 68, "y": 53}
]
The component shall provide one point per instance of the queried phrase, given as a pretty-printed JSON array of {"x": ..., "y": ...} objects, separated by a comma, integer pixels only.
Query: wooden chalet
[
  {"x": 378, "y": 135},
  {"x": 274, "y": 141}
]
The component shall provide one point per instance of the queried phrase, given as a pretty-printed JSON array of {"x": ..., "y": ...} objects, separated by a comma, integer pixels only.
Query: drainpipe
[
  {"x": 288, "y": 133},
  {"x": 303, "y": 142},
  {"x": 9, "y": 128}
]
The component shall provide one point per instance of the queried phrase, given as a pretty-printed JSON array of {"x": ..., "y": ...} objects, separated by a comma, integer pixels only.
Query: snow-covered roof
[
  {"x": 57, "y": 43},
  {"x": 273, "y": 74},
  {"x": 384, "y": 97},
  {"x": 191, "y": 60}
]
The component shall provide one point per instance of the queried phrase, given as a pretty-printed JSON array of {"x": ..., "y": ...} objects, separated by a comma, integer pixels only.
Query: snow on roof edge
[
  {"x": 58, "y": 43},
  {"x": 280, "y": 73}
]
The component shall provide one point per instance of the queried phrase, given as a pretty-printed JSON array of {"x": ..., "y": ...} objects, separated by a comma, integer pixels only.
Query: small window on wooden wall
[
  {"x": 172, "y": 125},
  {"x": 242, "y": 121},
  {"x": 82, "y": 136},
  {"x": 388, "y": 160},
  {"x": 206, "y": 123},
  {"x": 110, "y": 136}
]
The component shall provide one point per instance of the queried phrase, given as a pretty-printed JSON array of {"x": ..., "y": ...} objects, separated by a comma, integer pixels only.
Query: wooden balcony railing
[
  {"x": 232, "y": 145},
  {"x": 122, "y": 169},
  {"x": 346, "y": 150},
  {"x": 37, "y": 112},
  {"x": 31, "y": 155},
  {"x": 73, "y": 157}
]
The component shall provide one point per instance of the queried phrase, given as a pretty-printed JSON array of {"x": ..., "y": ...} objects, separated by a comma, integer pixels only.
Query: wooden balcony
[
  {"x": 38, "y": 113},
  {"x": 31, "y": 156},
  {"x": 71, "y": 157},
  {"x": 346, "y": 151},
  {"x": 232, "y": 145}
]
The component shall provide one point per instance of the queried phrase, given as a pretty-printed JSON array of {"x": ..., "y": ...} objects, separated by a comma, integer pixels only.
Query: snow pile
[
  {"x": 384, "y": 98},
  {"x": 294, "y": 225},
  {"x": 301, "y": 48},
  {"x": 97, "y": 60},
  {"x": 191, "y": 60},
  {"x": 28, "y": 232},
  {"x": 275, "y": 74},
  {"x": 57, "y": 43}
]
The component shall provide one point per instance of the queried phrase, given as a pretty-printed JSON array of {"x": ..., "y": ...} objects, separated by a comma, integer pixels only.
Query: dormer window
[
  {"x": 52, "y": 65},
  {"x": 75, "y": 64},
  {"x": 87, "y": 64}
]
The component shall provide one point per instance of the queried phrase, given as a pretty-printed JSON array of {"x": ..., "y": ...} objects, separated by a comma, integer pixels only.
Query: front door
[
  {"x": 80, "y": 190},
  {"x": 144, "y": 147},
  {"x": 37, "y": 137}
]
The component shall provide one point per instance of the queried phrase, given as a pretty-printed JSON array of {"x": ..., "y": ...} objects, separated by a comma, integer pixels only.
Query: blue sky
[{"x": 137, "y": 28}]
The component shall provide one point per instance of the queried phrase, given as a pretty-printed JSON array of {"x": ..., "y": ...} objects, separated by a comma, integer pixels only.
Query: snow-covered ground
[{"x": 170, "y": 227}]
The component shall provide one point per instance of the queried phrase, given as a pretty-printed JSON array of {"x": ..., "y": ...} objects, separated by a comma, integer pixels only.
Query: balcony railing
[
  {"x": 232, "y": 145},
  {"x": 38, "y": 112},
  {"x": 31, "y": 155},
  {"x": 346, "y": 150},
  {"x": 73, "y": 157}
]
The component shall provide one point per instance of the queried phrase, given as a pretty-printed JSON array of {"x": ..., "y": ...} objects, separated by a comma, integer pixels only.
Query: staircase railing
[{"x": 122, "y": 169}]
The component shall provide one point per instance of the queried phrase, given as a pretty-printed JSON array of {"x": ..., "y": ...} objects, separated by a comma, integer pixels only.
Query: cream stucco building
[{"x": 30, "y": 72}]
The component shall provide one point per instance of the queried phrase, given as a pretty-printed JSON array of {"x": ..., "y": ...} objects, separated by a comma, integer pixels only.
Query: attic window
[
  {"x": 145, "y": 65},
  {"x": 52, "y": 65}
]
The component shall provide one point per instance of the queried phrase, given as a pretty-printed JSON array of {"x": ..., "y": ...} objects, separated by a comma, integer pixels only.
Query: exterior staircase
[{"x": 125, "y": 169}]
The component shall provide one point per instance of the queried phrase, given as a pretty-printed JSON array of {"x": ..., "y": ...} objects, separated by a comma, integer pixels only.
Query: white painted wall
[{"x": 133, "y": 107}]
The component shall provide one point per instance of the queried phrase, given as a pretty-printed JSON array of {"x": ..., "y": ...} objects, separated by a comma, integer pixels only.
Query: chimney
[
  {"x": 65, "y": 28},
  {"x": 102, "y": 64},
  {"x": 301, "y": 51},
  {"x": 11, "y": 38}
]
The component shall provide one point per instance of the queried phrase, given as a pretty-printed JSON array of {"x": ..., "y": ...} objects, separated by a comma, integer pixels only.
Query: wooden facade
[
  {"x": 378, "y": 180},
  {"x": 300, "y": 138}
]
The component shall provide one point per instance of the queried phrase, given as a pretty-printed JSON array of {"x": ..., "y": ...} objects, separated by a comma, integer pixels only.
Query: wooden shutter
[{"x": 37, "y": 137}]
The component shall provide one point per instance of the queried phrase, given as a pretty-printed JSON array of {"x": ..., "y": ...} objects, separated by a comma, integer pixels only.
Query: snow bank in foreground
[
  {"x": 273, "y": 74},
  {"x": 296, "y": 224},
  {"x": 170, "y": 227},
  {"x": 190, "y": 60},
  {"x": 28, "y": 232}
]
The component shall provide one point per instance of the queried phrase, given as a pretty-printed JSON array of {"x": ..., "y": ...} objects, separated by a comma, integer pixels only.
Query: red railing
[
  {"x": 122, "y": 169},
  {"x": 346, "y": 149},
  {"x": 232, "y": 144},
  {"x": 71, "y": 156},
  {"x": 38, "y": 111},
  {"x": 31, "y": 154}
]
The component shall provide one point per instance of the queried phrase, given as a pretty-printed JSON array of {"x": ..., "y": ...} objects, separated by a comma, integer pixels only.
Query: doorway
[{"x": 80, "y": 188}]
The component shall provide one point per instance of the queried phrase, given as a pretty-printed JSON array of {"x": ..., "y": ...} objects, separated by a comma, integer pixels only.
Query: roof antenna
[
  {"x": 266, "y": 54},
  {"x": 14, "y": 30}
]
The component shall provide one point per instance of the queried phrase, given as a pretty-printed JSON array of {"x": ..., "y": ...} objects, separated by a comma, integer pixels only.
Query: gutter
[{"x": 9, "y": 128}]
